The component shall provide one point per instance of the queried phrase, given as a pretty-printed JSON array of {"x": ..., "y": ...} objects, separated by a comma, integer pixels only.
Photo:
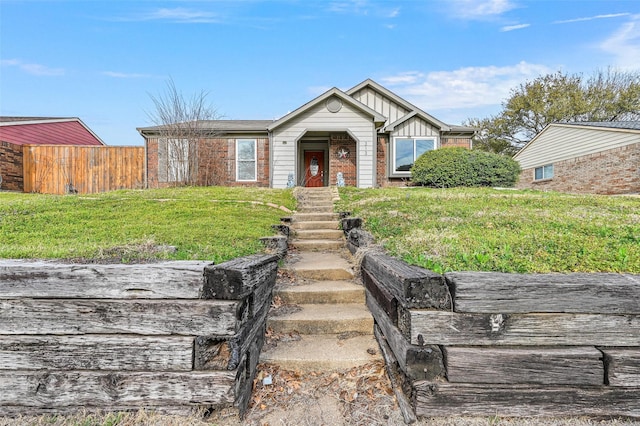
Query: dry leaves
[{"x": 363, "y": 392}]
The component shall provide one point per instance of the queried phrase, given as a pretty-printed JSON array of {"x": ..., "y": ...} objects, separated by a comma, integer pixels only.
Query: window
[
  {"x": 177, "y": 160},
  {"x": 405, "y": 151},
  {"x": 544, "y": 172},
  {"x": 246, "y": 164}
]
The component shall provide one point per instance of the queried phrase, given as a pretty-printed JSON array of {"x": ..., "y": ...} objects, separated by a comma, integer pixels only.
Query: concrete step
[
  {"x": 321, "y": 292},
  {"x": 317, "y": 224},
  {"x": 324, "y": 319},
  {"x": 323, "y": 353},
  {"x": 319, "y": 234},
  {"x": 316, "y": 209},
  {"x": 314, "y": 217},
  {"x": 319, "y": 266},
  {"x": 318, "y": 245}
]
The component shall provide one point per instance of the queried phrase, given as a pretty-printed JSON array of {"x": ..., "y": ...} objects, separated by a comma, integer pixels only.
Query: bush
[{"x": 451, "y": 167}]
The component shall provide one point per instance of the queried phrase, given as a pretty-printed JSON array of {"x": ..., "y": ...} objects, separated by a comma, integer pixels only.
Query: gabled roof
[
  {"x": 221, "y": 126},
  {"x": 377, "y": 117},
  {"x": 627, "y": 125},
  {"x": 406, "y": 104},
  {"x": 614, "y": 126},
  {"x": 47, "y": 131}
]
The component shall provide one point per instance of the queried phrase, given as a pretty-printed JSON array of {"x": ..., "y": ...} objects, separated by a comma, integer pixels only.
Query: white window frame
[
  {"x": 393, "y": 171},
  {"x": 255, "y": 160},
  {"x": 547, "y": 172}
]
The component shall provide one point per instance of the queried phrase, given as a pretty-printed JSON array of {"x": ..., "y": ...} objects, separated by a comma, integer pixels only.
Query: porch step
[
  {"x": 322, "y": 292},
  {"x": 314, "y": 217},
  {"x": 319, "y": 234},
  {"x": 318, "y": 245},
  {"x": 325, "y": 319},
  {"x": 323, "y": 353},
  {"x": 320, "y": 266},
  {"x": 328, "y": 208},
  {"x": 317, "y": 224}
]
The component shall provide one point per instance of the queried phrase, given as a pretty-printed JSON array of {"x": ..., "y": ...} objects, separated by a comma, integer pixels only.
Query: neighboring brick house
[
  {"x": 368, "y": 134},
  {"x": 18, "y": 132},
  {"x": 588, "y": 157}
]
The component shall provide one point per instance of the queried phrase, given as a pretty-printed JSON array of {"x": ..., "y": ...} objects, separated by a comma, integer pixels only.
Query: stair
[{"x": 324, "y": 308}]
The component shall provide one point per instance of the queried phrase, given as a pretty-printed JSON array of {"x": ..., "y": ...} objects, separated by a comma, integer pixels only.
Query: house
[
  {"x": 588, "y": 157},
  {"x": 18, "y": 132},
  {"x": 368, "y": 135}
]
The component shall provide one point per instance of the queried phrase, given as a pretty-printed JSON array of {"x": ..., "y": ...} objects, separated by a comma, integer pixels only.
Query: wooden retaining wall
[
  {"x": 172, "y": 336},
  {"x": 507, "y": 344},
  {"x": 57, "y": 169}
]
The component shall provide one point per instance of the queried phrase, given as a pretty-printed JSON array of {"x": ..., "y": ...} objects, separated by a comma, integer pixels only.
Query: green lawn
[
  {"x": 443, "y": 230},
  {"x": 211, "y": 223},
  {"x": 501, "y": 230}
]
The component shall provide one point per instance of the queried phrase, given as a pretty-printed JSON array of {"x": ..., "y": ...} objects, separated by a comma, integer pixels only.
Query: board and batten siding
[
  {"x": 415, "y": 126},
  {"x": 381, "y": 104},
  {"x": 560, "y": 142},
  {"x": 286, "y": 137}
]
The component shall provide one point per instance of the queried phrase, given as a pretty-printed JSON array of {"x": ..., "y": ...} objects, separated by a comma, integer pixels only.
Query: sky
[{"x": 103, "y": 61}]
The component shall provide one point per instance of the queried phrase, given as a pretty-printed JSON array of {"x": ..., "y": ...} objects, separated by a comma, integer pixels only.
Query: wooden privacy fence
[
  {"x": 57, "y": 169},
  {"x": 473, "y": 343},
  {"x": 172, "y": 336}
]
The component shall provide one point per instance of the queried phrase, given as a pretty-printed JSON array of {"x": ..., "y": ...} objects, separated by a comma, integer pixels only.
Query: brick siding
[
  {"x": 347, "y": 166},
  {"x": 447, "y": 142},
  {"x": 11, "y": 166},
  {"x": 616, "y": 171},
  {"x": 216, "y": 163}
]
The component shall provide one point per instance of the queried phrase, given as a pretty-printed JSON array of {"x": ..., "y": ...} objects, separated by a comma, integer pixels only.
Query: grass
[
  {"x": 210, "y": 223},
  {"x": 501, "y": 230}
]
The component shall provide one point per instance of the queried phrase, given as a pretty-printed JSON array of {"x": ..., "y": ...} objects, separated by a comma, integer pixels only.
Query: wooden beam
[
  {"x": 396, "y": 378},
  {"x": 87, "y": 316},
  {"x": 490, "y": 292},
  {"x": 97, "y": 352},
  {"x": 212, "y": 353},
  {"x": 452, "y": 329},
  {"x": 415, "y": 287},
  {"x": 46, "y": 389},
  {"x": 238, "y": 278},
  {"x": 41, "y": 279},
  {"x": 623, "y": 366},
  {"x": 520, "y": 365},
  {"x": 445, "y": 399},
  {"x": 417, "y": 362}
]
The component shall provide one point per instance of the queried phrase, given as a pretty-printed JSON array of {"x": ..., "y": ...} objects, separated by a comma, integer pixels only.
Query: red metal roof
[{"x": 47, "y": 131}]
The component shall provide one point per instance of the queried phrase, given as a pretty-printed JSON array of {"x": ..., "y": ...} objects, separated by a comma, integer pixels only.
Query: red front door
[{"x": 313, "y": 168}]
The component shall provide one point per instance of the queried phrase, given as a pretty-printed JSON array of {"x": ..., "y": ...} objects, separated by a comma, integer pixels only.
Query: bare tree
[{"x": 182, "y": 124}]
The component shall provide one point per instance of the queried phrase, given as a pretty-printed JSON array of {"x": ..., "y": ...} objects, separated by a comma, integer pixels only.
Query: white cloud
[
  {"x": 33, "y": 69},
  {"x": 181, "y": 16},
  {"x": 624, "y": 44},
  {"x": 394, "y": 13},
  {"x": 591, "y": 18},
  {"x": 514, "y": 27},
  {"x": 463, "y": 88},
  {"x": 349, "y": 6},
  {"x": 481, "y": 9}
]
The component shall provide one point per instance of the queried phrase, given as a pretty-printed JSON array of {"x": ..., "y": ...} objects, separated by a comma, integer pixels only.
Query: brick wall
[
  {"x": 447, "y": 142},
  {"x": 11, "y": 167},
  {"x": 216, "y": 163},
  {"x": 381, "y": 161},
  {"x": 616, "y": 171},
  {"x": 347, "y": 166}
]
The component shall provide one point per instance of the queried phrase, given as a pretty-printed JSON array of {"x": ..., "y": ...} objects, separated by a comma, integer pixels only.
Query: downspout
[
  {"x": 270, "y": 165},
  {"x": 146, "y": 160}
]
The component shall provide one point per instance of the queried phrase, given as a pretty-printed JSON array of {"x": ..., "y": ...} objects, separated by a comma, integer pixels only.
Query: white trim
[
  {"x": 393, "y": 172},
  {"x": 255, "y": 160}
]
